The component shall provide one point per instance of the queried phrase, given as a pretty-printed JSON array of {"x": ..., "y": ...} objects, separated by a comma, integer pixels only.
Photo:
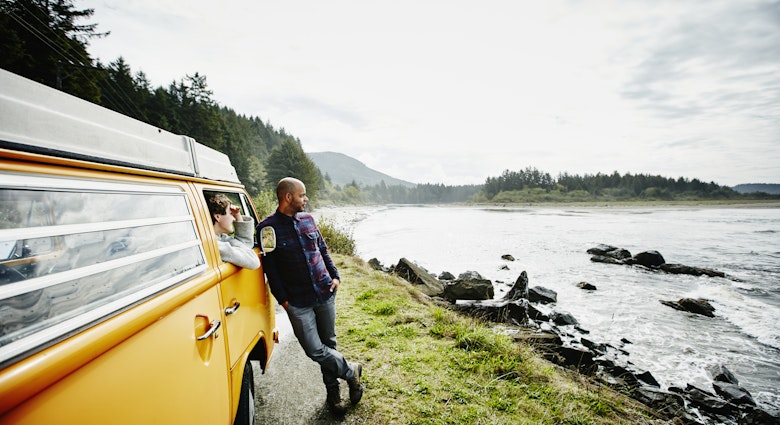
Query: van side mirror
[{"x": 267, "y": 239}]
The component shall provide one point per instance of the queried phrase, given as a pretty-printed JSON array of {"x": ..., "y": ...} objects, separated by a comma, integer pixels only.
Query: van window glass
[{"x": 69, "y": 258}]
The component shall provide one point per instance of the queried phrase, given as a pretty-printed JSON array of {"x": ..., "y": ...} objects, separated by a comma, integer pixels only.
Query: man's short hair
[{"x": 286, "y": 185}]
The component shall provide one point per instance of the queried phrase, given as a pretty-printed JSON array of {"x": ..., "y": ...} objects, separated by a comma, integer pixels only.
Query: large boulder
[
  {"x": 519, "y": 289},
  {"x": 501, "y": 311},
  {"x": 733, "y": 393},
  {"x": 606, "y": 260},
  {"x": 720, "y": 373},
  {"x": 562, "y": 318},
  {"x": 610, "y": 252},
  {"x": 652, "y": 259},
  {"x": 469, "y": 289},
  {"x": 663, "y": 401},
  {"x": 697, "y": 306},
  {"x": 417, "y": 275},
  {"x": 578, "y": 357},
  {"x": 706, "y": 401},
  {"x": 445, "y": 275},
  {"x": 377, "y": 265},
  {"x": 690, "y": 270},
  {"x": 542, "y": 295}
]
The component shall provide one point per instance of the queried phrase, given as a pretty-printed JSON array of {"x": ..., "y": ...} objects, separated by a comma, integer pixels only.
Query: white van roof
[{"x": 38, "y": 118}]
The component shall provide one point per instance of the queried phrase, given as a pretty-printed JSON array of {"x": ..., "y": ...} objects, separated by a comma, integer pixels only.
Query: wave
[{"x": 750, "y": 314}]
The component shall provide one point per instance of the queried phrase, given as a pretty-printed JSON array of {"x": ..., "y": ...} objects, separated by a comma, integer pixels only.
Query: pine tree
[{"x": 289, "y": 160}]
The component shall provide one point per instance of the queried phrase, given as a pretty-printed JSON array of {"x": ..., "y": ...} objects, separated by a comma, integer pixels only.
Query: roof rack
[{"x": 37, "y": 118}]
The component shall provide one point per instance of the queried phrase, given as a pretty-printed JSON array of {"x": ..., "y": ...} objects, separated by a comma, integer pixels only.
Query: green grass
[{"x": 424, "y": 364}]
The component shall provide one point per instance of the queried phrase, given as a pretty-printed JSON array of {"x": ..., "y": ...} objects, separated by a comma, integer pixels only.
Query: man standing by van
[{"x": 304, "y": 280}]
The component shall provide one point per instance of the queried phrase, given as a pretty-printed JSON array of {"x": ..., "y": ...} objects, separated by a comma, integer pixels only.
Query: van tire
[{"x": 246, "y": 401}]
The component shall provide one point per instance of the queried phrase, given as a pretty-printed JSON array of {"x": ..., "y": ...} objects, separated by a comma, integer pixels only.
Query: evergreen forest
[{"x": 47, "y": 40}]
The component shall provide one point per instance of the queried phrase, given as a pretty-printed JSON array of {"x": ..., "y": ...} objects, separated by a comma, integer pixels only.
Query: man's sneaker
[
  {"x": 334, "y": 401},
  {"x": 355, "y": 387}
]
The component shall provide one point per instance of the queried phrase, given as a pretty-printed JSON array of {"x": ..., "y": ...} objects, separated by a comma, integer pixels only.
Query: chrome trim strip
[
  {"x": 14, "y": 180},
  {"x": 29, "y": 285},
  {"x": 70, "y": 229},
  {"x": 23, "y": 345}
]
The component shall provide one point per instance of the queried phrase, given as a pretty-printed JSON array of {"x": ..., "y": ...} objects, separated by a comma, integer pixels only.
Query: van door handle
[
  {"x": 232, "y": 309},
  {"x": 215, "y": 324}
]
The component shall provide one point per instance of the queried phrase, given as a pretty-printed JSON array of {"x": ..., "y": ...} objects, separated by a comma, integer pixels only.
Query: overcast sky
[{"x": 456, "y": 91}]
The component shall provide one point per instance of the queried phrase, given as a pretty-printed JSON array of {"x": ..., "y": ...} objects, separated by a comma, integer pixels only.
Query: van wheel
[{"x": 246, "y": 402}]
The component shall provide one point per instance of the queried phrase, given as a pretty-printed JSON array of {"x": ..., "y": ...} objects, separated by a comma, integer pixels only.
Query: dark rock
[
  {"x": 376, "y": 265},
  {"x": 605, "y": 259},
  {"x": 733, "y": 393},
  {"x": 416, "y": 275},
  {"x": 756, "y": 416},
  {"x": 519, "y": 289},
  {"x": 587, "y": 286},
  {"x": 601, "y": 249},
  {"x": 610, "y": 251},
  {"x": 697, "y": 306},
  {"x": 563, "y": 318},
  {"x": 599, "y": 348},
  {"x": 694, "y": 271},
  {"x": 542, "y": 340},
  {"x": 542, "y": 295},
  {"x": 470, "y": 275},
  {"x": 536, "y": 314},
  {"x": 706, "y": 401},
  {"x": 652, "y": 259},
  {"x": 663, "y": 401},
  {"x": 507, "y": 257},
  {"x": 504, "y": 267},
  {"x": 581, "y": 358},
  {"x": 648, "y": 379},
  {"x": 469, "y": 289},
  {"x": 628, "y": 377},
  {"x": 501, "y": 311},
  {"x": 446, "y": 276},
  {"x": 721, "y": 374}
]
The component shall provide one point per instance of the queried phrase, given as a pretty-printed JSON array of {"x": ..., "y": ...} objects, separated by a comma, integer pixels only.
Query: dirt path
[{"x": 291, "y": 391}]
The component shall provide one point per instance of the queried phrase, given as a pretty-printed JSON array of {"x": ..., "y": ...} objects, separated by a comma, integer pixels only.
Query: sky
[{"x": 456, "y": 91}]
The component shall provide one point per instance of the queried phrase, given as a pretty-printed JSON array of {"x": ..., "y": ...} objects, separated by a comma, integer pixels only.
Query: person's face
[
  {"x": 299, "y": 199},
  {"x": 224, "y": 222}
]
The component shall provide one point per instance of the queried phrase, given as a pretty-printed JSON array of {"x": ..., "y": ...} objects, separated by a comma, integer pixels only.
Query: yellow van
[{"x": 115, "y": 307}]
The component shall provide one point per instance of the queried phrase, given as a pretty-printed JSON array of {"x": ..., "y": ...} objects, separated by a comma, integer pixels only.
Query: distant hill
[
  {"x": 772, "y": 189},
  {"x": 344, "y": 169}
]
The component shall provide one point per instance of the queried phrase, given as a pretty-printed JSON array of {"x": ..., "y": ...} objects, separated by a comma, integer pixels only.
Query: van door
[{"x": 244, "y": 295}]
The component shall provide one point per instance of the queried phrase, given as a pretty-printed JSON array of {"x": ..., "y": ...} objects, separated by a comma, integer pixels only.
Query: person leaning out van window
[{"x": 225, "y": 217}]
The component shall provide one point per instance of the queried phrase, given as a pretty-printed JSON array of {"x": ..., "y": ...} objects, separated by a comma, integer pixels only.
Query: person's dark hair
[{"x": 218, "y": 204}]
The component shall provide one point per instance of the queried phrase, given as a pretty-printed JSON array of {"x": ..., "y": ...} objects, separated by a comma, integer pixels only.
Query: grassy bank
[{"x": 425, "y": 364}]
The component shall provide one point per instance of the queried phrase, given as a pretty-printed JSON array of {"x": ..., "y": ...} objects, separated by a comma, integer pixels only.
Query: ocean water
[{"x": 550, "y": 245}]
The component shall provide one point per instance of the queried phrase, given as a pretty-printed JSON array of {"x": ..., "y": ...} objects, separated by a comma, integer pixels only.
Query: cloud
[{"x": 459, "y": 90}]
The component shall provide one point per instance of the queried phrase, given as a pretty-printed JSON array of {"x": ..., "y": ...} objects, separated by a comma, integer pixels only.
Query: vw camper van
[{"x": 115, "y": 306}]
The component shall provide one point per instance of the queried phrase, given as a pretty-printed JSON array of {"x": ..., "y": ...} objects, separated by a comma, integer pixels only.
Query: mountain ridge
[
  {"x": 770, "y": 188},
  {"x": 344, "y": 169}
]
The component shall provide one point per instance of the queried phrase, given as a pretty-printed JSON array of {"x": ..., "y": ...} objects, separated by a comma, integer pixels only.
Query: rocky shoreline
[{"x": 557, "y": 335}]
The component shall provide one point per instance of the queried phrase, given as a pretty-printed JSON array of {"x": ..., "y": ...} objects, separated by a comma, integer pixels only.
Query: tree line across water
[{"x": 42, "y": 40}]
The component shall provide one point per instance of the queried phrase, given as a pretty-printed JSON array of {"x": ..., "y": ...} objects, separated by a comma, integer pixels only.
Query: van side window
[{"x": 76, "y": 252}]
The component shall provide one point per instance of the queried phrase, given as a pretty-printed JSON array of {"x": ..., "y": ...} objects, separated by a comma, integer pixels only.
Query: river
[{"x": 550, "y": 244}]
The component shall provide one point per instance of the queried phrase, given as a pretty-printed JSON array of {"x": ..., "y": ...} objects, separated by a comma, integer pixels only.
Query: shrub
[{"x": 339, "y": 241}]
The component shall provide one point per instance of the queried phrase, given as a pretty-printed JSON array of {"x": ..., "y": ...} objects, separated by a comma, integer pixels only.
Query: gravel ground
[{"x": 291, "y": 391}]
